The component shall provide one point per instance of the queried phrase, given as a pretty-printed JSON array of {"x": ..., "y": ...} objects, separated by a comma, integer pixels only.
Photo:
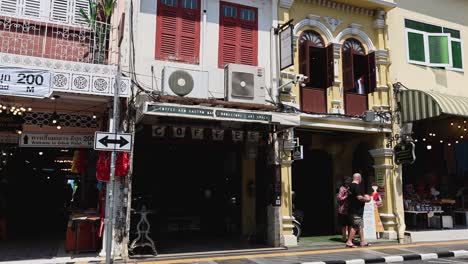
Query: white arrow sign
[{"x": 112, "y": 141}]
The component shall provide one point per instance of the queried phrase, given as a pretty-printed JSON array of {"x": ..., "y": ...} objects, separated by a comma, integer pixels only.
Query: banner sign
[
  {"x": 286, "y": 47},
  {"x": 30, "y": 140},
  {"x": 24, "y": 82},
  {"x": 209, "y": 113}
]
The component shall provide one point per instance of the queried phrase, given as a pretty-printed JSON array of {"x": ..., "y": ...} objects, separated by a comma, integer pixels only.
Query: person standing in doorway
[
  {"x": 342, "y": 198},
  {"x": 359, "y": 85},
  {"x": 357, "y": 199}
]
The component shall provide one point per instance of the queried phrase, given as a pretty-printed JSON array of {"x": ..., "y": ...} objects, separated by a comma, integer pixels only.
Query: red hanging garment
[
  {"x": 103, "y": 166},
  {"x": 122, "y": 165}
]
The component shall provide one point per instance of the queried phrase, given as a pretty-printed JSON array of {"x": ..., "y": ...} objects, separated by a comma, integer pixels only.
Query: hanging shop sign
[
  {"x": 215, "y": 114},
  {"x": 197, "y": 133},
  {"x": 253, "y": 136},
  {"x": 217, "y": 134},
  {"x": 237, "y": 136},
  {"x": 24, "y": 82},
  {"x": 404, "y": 153},
  {"x": 32, "y": 140},
  {"x": 158, "y": 131},
  {"x": 298, "y": 152},
  {"x": 286, "y": 47}
]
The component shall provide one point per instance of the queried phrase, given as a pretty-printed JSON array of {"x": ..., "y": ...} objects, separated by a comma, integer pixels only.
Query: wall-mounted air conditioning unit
[
  {"x": 244, "y": 83},
  {"x": 186, "y": 83}
]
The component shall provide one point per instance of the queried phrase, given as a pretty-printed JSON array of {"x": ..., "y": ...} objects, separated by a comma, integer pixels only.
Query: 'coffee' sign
[{"x": 199, "y": 133}]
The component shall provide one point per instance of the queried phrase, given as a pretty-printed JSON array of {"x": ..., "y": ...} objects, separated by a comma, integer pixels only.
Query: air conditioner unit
[
  {"x": 244, "y": 83},
  {"x": 186, "y": 83}
]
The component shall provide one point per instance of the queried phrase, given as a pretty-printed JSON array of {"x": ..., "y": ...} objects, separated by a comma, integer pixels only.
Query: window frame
[
  {"x": 450, "y": 64},
  {"x": 462, "y": 69},
  {"x": 426, "y": 47}
]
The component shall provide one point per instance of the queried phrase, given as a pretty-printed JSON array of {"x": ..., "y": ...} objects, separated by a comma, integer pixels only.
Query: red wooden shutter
[
  {"x": 304, "y": 65},
  {"x": 348, "y": 70},
  {"x": 372, "y": 77},
  {"x": 238, "y": 38},
  {"x": 178, "y": 32},
  {"x": 189, "y": 45},
  {"x": 330, "y": 66},
  {"x": 166, "y": 32}
]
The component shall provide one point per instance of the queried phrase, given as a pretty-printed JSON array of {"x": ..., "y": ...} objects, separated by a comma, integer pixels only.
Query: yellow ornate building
[{"x": 345, "y": 104}]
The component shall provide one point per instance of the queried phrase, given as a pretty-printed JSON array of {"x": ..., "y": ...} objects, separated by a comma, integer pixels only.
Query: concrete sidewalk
[{"x": 373, "y": 254}]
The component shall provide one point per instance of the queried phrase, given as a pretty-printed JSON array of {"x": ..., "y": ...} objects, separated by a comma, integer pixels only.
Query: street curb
[{"x": 390, "y": 259}]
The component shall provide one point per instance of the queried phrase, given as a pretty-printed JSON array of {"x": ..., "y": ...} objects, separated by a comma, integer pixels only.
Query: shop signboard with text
[
  {"x": 24, "y": 82},
  {"x": 33, "y": 140}
]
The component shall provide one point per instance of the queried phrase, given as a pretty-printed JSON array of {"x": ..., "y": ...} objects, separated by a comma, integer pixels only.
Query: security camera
[{"x": 299, "y": 78}]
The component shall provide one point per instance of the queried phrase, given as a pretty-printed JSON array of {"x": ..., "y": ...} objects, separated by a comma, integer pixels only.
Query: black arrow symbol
[{"x": 105, "y": 141}]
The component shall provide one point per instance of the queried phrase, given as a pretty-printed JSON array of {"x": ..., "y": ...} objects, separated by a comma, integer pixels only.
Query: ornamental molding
[
  {"x": 73, "y": 77},
  {"x": 286, "y": 3},
  {"x": 333, "y": 22},
  {"x": 313, "y": 21},
  {"x": 354, "y": 30},
  {"x": 342, "y": 7}
]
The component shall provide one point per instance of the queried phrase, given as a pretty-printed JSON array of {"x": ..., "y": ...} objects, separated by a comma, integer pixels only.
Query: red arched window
[{"x": 359, "y": 73}]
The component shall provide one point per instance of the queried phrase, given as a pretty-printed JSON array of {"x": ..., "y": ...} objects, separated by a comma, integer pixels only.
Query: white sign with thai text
[
  {"x": 31, "y": 140},
  {"x": 24, "y": 82}
]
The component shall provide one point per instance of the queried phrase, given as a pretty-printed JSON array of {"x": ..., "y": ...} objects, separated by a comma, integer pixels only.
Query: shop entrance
[
  {"x": 195, "y": 190},
  {"x": 41, "y": 189},
  {"x": 314, "y": 193}
]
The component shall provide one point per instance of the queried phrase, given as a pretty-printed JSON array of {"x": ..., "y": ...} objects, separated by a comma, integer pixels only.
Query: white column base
[
  {"x": 288, "y": 240},
  {"x": 390, "y": 235}
]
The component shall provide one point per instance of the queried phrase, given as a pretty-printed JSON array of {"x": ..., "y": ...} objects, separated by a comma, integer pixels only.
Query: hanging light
[
  {"x": 54, "y": 118},
  {"x": 59, "y": 127},
  {"x": 429, "y": 147},
  {"x": 451, "y": 124},
  {"x": 19, "y": 132},
  {"x": 456, "y": 142},
  {"x": 459, "y": 127},
  {"x": 424, "y": 139},
  {"x": 94, "y": 116},
  {"x": 449, "y": 144},
  {"x": 441, "y": 141},
  {"x": 416, "y": 140},
  {"x": 461, "y": 136},
  {"x": 29, "y": 109}
]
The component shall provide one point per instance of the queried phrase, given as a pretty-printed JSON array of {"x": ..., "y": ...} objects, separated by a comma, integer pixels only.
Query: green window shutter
[
  {"x": 422, "y": 26},
  {"x": 416, "y": 47},
  {"x": 457, "y": 55},
  {"x": 439, "y": 52}
]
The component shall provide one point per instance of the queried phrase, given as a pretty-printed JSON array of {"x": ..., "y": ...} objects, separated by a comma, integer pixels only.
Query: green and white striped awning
[{"x": 418, "y": 105}]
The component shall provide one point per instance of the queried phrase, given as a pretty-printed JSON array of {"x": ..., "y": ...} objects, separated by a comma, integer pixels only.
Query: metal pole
[{"x": 113, "y": 127}]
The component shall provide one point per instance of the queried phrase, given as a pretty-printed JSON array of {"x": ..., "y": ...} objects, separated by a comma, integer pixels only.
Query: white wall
[{"x": 145, "y": 38}]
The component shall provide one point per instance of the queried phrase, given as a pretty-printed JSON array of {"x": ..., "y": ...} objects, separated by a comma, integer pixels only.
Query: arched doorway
[
  {"x": 315, "y": 62},
  {"x": 359, "y": 76},
  {"x": 363, "y": 163},
  {"x": 312, "y": 184}
]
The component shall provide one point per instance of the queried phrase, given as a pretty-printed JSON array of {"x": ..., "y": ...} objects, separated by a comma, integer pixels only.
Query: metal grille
[{"x": 64, "y": 120}]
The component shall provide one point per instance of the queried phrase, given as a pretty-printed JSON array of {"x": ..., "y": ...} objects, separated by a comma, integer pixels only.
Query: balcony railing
[{"x": 89, "y": 44}]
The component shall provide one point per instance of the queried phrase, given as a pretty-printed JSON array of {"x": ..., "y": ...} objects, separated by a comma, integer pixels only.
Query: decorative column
[
  {"x": 385, "y": 179},
  {"x": 336, "y": 91},
  {"x": 381, "y": 97},
  {"x": 287, "y": 238}
]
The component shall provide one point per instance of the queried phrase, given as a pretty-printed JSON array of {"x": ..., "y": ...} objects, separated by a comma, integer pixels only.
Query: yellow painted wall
[
  {"x": 446, "y": 13},
  {"x": 301, "y": 9}
]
